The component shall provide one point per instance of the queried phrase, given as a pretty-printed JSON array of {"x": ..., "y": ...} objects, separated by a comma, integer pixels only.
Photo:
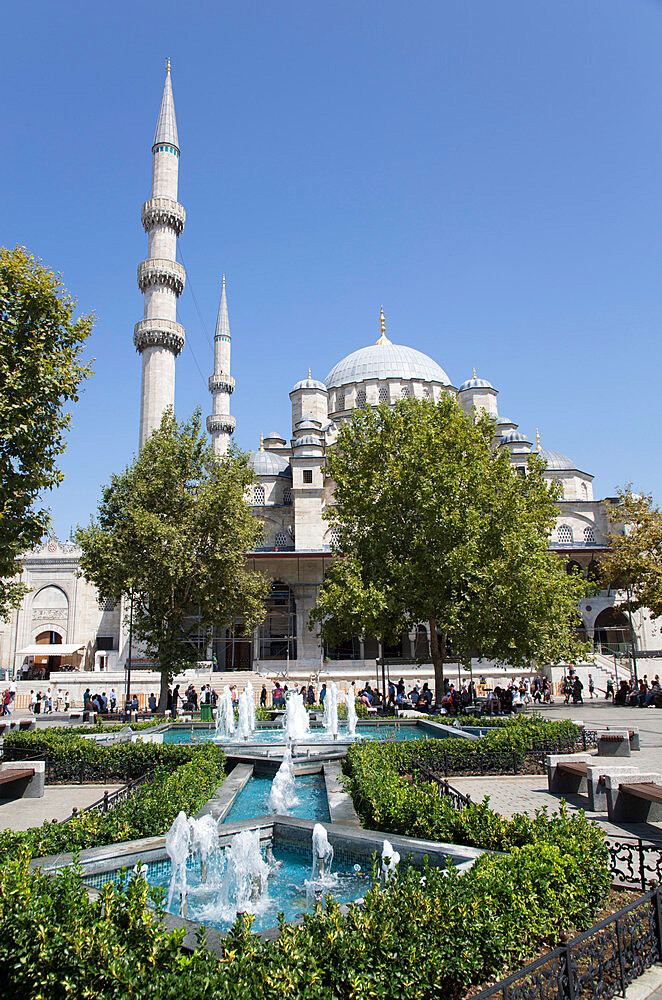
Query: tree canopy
[
  {"x": 40, "y": 373},
  {"x": 435, "y": 526},
  {"x": 174, "y": 528},
  {"x": 634, "y": 560}
]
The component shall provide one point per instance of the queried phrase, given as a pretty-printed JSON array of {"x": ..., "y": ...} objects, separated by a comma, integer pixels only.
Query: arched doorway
[
  {"x": 47, "y": 662},
  {"x": 277, "y": 635},
  {"x": 612, "y": 633}
]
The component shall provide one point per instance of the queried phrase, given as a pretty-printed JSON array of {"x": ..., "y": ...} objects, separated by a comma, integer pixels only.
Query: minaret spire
[
  {"x": 158, "y": 337},
  {"x": 221, "y": 384}
]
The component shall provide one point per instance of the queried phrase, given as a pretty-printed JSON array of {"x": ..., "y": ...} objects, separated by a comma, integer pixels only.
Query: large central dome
[{"x": 384, "y": 361}]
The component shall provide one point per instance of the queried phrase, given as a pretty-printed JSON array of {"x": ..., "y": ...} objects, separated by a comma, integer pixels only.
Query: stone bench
[
  {"x": 573, "y": 774},
  {"x": 22, "y": 779},
  {"x": 634, "y": 798},
  {"x": 614, "y": 743}
]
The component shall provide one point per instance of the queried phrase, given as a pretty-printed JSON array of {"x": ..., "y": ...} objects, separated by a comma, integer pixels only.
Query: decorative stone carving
[
  {"x": 156, "y": 271},
  {"x": 163, "y": 212},
  {"x": 221, "y": 383},
  {"x": 49, "y": 614},
  {"x": 158, "y": 333},
  {"x": 221, "y": 422}
]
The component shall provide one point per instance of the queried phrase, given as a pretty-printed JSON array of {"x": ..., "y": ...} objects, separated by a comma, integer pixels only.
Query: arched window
[
  {"x": 383, "y": 394},
  {"x": 334, "y": 538},
  {"x": 589, "y": 536},
  {"x": 258, "y": 496},
  {"x": 277, "y": 635},
  {"x": 287, "y": 496},
  {"x": 360, "y": 397},
  {"x": 281, "y": 539},
  {"x": 340, "y": 401},
  {"x": 584, "y": 491},
  {"x": 565, "y": 534},
  {"x": 405, "y": 392},
  {"x": 427, "y": 392}
]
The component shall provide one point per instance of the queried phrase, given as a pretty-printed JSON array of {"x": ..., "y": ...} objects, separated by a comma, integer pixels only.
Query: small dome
[
  {"x": 309, "y": 425},
  {"x": 309, "y": 383},
  {"x": 505, "y": 420},
  {"x": 475, "y": 383},
  {"x": 556, "y": 461},
  {"x": 306, "y": 439},
  {"x": 265, "y": 463},
  {"x": 515, "y": 437},
  {"x": 275, "y": 436},
  {"x": 385, "y": 361}
]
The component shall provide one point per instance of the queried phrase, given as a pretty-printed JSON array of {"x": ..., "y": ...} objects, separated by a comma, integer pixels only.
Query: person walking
[{"x": 591, "y": 686}]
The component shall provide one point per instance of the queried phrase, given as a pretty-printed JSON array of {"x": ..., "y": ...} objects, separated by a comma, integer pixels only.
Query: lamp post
[
  {"x": 127, "y": 694},
  {"x": 632, "y": 640}
]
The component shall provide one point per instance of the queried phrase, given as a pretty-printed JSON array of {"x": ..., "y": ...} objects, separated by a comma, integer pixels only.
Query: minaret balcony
[
  {"x": 163, "y": 212},
  {"x": 158, "y": 333},
  {"x": 161, "y": 272},
  {"x": 221, "y": 383},
  {"x": 221, "y": 422}
]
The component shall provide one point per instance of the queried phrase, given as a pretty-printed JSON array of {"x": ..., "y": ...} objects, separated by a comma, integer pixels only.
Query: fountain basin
[{"x": 274, "y": 736}]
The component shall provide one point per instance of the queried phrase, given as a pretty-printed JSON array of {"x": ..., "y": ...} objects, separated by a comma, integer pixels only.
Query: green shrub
[{"x": 148, "y": 812}]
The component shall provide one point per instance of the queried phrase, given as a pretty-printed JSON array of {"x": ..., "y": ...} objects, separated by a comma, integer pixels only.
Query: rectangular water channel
[{"x": 253, "y": 799}]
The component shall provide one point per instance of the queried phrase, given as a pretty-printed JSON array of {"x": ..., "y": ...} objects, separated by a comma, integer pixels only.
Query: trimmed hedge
[{"x": 148, "y": 812}]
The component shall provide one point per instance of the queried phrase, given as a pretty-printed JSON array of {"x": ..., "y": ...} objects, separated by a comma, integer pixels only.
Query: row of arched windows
[{"x": 257, "y": 498}]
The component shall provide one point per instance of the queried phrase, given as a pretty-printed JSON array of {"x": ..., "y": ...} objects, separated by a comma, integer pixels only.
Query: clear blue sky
[{"x": 489, "y": 171}]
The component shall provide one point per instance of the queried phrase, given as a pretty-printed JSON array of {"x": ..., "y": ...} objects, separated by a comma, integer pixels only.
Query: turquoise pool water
[
  {"x": 351, "y": 878},
  {"x": 276, "y": 736},
  {"x": 253, "y": 799}
]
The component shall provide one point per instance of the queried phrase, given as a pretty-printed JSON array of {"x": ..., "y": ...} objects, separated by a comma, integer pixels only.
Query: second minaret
[{"x": 221, "y": 384}]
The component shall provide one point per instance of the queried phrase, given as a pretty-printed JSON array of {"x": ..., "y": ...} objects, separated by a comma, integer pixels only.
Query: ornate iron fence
[
  {"x": 634, "y": 861},
  {"x": 110, "y": 800},
  {"x": 426, "y": 775},
  {"x": 596, "y": 965},
  {"x": 70, "y": 769}
]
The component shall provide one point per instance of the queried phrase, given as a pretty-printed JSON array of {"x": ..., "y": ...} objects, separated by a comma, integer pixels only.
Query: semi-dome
[
  {"x": 505, "y": 420},
  {"x": 311, "y": 418},
  {"x": 556, "y": 461},
  {"x": 384, "y": 361},
  {"x": 306, "y": 439},
  {"x": 476, "y": 383},
  {"x": 309, "y": 383},
  {"x": 266, "y": 463},
  {"x": 274, "y": 436},
  {"x": 309, "y": 425},
  {"x": 515, "y": 437}
]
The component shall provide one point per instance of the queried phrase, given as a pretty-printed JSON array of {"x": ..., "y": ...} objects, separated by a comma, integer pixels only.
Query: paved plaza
[
  {"x": 57, "y": 803},
  {"x": 524, "y": 794}
]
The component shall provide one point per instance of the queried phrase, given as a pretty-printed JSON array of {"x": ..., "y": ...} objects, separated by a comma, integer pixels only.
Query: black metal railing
[
  {"x": 596, "y": 965},
  {"x": 70, "y": 769},
  {"x": 634, "y": 861},
  {"x": 110, "y": 800},
  {"x": 444, "y": 789}
]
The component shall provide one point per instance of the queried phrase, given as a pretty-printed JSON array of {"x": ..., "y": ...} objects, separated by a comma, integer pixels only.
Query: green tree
[
  {"x": 634, "y": 560},
  {"x": 174, "y": 529},
  {"x": 435, "y": 526},
  {"x": 40, "y": 373}
]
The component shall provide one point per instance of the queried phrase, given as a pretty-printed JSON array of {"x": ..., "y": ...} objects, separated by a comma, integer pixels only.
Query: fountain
[
  {"x": 177, "y": 843},
  {"x": 295, "y": 720},
  {"x": 282, "y": 796},
  {"x": 390, "y": 861},
  {"x": 204, "y": 840},
  {"x": 244, "y": 728},
  {"x": 331, "y": 710},
  {"x": 250, "y": 694},
  {"x": 322, "y": 854},
  {"x": 351, "y": 713},
  {"x": 244, "y": 883},
  {"x": 224, "y": 715}
]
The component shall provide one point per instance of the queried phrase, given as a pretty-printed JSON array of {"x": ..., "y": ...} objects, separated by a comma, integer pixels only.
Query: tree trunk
[
  {"x": 438, "y": 652},
  {"x": 163, "y": 694}
]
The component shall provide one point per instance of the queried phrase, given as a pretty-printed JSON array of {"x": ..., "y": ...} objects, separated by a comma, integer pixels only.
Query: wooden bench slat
[
  {"x": 575, "y": 767},
  {"x": 649, "y": 791},
  {"x": 16, "y": 774}
]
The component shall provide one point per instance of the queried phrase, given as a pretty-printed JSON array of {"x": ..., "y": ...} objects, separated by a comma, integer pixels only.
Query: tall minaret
[
  {"x": 159, "y": 337},
  {"x": 221, "y": 384}
]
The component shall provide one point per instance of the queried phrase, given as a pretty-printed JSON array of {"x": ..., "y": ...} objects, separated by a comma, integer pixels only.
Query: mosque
[{"x": 61, "y": 625}]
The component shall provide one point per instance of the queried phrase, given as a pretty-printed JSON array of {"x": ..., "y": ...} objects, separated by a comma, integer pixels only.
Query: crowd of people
[{"x": 637, "y": 693}]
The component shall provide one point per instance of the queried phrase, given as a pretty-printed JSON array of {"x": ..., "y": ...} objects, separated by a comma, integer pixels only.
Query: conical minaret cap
[
  {"x": 166, "y": 127},
  {"x": 222, "y": 320}
]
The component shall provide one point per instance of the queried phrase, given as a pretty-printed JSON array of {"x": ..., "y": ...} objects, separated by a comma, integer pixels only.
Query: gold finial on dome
[
  {"x": 167, "y": 65},
  {"x": 383, "y": 339},
  {"x": 537, "y": 440},
  {"x": 261, "y": 441},
  {"x": 309, "y": 375},
  {"x": 474, "y": 371}
]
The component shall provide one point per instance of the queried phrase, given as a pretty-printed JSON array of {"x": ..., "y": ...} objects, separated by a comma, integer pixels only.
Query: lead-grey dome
[
  {"x": 384, "y": 361},
  {"x": 476, "y": 383},
  {"x": 308, "y": 383},
  {"x": 266, "y": 463},
  {"x": 515, "y": 437},
  {"x": 556, "y": 461}
]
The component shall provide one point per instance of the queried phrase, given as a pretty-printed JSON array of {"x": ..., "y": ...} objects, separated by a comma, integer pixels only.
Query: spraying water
[
  {"x": 282, "y": 796},
  {"x": 244, "y": 716},
  {"x": 250, "y": 694},
  {"x": 295, "y": 720},
  {"x": 331, "y": 710},
  {"x": 351, "y": 713},
  {"x": 204, "y": 840},
  {"x": 244, "y": 885},
  {"x": 224, "y": 715},
  {"x": 322, "y": 853},
  {"x": 178, "y": 841},
  {"x": 390, "y": 861}
]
